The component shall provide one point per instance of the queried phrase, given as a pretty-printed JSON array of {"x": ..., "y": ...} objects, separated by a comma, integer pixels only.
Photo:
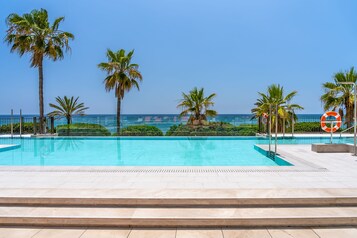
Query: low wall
[{"x": 332, "y": 148}]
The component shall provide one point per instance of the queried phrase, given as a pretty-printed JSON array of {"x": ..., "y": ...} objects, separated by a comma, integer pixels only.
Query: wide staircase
[{"x": 181, "y": 208}]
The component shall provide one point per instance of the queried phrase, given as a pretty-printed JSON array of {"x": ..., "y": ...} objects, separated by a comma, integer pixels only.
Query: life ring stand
[{"x": 337, "y": 122}]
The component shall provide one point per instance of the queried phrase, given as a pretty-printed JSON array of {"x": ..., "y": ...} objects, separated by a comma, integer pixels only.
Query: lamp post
[{"x": 355, "y": 115}]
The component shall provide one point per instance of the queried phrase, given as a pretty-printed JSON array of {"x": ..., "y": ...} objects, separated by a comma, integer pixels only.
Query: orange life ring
[
  {"x": 338, "y": 121},
  {"x": 265, "y": 118}
]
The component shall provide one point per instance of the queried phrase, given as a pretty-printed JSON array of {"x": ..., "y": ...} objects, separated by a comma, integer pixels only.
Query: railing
[
  {"x": 163, "y": 122},
  {"x": 20, "y": 125},
  {"x": 305, "y": 124},
  {"x": 346, "y": 130}
]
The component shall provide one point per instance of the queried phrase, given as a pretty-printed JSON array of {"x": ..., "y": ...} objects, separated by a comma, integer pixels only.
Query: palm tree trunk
[
  {"x": 349, "y": 115},
  {"x": 40, "y": 90},
  {"x": 69, "y": 121},
  {"x": 284, "y": 127},
  {"x": 118, "y": 114},
  {"x": 350, "y": 120}
]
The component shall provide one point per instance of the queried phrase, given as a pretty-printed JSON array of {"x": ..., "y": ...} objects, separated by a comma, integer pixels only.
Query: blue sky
[{"x": 230, "y": 47}]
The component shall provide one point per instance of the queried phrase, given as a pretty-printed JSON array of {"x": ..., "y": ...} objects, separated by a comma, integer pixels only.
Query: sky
[{"x": 234, "y": 48}]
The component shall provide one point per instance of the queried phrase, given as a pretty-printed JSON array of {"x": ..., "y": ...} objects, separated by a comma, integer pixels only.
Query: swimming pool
[{"x": 136, "y": 151}]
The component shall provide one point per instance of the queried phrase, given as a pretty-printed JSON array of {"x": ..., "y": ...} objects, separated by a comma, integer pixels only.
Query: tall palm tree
[
  {"x": 340, "y": 96},
  {"x": 276, "y": 103},
  {"x": 197, "y": 105},
  {"x": 67, "y": 107},
  {"x": 122, "y": 76},
  {"x": 32, "y": 33}
]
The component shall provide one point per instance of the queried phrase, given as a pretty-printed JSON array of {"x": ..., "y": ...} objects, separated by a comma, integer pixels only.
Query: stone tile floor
[{"x": 350, "y": 232}]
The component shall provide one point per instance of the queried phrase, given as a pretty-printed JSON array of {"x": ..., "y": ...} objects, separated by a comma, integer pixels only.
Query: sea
[{"x": 162, "y": 121}]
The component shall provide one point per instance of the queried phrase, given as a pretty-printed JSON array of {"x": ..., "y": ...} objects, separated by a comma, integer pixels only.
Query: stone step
[
  {"x": 178, "y": 217},
  {"x": 178, "y": 202},
  {"x": 179, "y": 198}
]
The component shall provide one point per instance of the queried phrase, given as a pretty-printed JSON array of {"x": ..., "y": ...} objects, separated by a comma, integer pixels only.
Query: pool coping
[{"x": 9, "y": 147}]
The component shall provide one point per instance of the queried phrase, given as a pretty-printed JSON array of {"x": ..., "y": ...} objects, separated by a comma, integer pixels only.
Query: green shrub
[
  {"x": 213, "y": 129},
  {"x": 141, "y": 130},
  {"x": 27, "y": 128},
  {"x": 82, "y": 129},
  {"x": 307, "y": 127}
]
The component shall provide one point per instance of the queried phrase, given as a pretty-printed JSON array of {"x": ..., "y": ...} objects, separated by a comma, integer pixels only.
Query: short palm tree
[
  {"x": 32, "y": 33},
  {"x": 197, "y": 105},
  {"x": 276, "y": 103},
  {"x": 340, "y": 96},
  {"x": 122, "y": 76},
  {"x": 67, "y": 107}
]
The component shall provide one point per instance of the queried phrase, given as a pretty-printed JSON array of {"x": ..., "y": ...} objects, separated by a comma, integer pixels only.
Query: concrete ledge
[
  {"x": 178, "y": 217},
  {"x": 332, "y": 148},
  {"x": 8, "y": 147}
]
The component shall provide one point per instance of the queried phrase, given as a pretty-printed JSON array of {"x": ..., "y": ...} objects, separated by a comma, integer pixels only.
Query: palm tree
[
  {"x": 288, "y": 114},
  {"x": 122, "y": 76},
  {"x": 67, "y": 107},
  {"x": 340, "y": 96},
  {"x": 275, "y": 99},
  {"x": 32, "y": 33},
  {"x": 197, "y": 105},
  {"x": 261, "y": 108}
]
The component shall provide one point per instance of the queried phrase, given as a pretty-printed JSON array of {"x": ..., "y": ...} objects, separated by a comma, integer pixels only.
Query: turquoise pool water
[{"x": 143, "y": 151}]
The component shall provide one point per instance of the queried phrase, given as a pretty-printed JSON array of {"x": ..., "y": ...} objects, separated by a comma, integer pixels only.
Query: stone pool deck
[
  {"x": 318, "y": 193},
  {"x": 313, "y": 170}
]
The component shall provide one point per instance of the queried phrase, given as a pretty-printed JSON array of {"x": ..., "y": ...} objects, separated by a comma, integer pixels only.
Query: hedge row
[
  {"x": 306, "y": 127},
  {"x": 82, "y": 129},
  {"x": 141, "y": 130},
  {"x": 27, "y": 128},
  {"x": 212, "y": 129}
]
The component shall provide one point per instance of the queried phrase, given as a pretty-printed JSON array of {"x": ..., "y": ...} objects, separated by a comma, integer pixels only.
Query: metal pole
[
  {"x": 292, "y": 124},
  {"x": 331, "y": 132},
  {"x": 270, "y": 129},
  {"x": 355, "y": 121},
  {"x": 11, "y": 123},
  {"x": 276, "y": 129},
  {"x": 20, "y": 122}
]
